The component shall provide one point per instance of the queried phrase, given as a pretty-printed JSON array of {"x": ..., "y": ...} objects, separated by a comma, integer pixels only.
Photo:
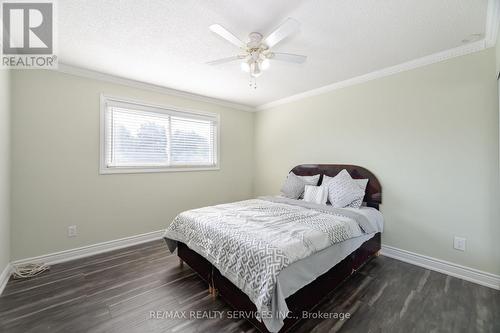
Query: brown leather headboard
[{"x": 373, "y": 196}]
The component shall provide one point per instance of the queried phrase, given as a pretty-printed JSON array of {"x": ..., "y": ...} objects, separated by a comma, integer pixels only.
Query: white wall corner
[
  {"x": 492, "y": 23},
  {"x": 442, "y": 266}
]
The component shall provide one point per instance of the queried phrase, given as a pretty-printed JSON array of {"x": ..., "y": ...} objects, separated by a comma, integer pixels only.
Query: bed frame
[{"x": 311, "y": 295}]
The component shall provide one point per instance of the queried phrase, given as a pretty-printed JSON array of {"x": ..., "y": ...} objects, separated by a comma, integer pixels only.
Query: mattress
[{"x": 303, "y": 272}]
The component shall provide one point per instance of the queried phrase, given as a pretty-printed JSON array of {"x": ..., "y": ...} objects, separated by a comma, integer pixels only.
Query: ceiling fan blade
[
  {"x": 296, "y": 58},
  {"x": 224, "y": 33},
  {"x": 224, "y": 60},
  {"x": 287, "y": 28}
]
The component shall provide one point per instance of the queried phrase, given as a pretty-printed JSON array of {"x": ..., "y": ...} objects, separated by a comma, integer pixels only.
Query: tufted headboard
[{"x": 373, "y": 196}]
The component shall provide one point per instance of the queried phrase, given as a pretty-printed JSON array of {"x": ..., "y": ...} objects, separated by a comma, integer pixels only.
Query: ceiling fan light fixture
[
  {"x": 265, "y": 64},
  {"x": 255, "y": 69},
  {"x": 255, "y": 55},
  {"x": 245, "y": 67}
]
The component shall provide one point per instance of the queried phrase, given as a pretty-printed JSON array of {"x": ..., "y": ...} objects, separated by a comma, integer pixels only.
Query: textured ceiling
[{"x": 168, "y": 42}]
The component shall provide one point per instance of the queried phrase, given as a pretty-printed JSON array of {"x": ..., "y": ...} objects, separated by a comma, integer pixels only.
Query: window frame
[{"x": 144, "y": 106}]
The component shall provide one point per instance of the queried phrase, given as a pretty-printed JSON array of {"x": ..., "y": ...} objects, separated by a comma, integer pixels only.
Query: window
[{"x": 142, "y": 138}]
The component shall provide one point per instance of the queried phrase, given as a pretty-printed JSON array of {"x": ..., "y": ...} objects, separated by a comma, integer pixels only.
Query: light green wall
[
  {"x": 55, "y": 179},
  {"x": 4, "y": 169},
  {"x": 430, "y": 135}
]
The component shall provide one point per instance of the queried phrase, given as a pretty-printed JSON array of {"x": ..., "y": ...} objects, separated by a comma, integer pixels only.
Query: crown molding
[
  {"x": 490, "y": 39},
  {"x": 492, "y": 22},
  {"x": 406, "y": 66},
  {"x": 90, "y": 74}
]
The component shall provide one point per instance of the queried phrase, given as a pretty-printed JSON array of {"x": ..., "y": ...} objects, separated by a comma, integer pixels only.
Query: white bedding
[{"x": 244, "y": 239}]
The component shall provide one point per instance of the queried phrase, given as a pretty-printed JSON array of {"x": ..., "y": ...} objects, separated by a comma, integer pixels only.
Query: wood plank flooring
[{"x": 115, "y": 292}]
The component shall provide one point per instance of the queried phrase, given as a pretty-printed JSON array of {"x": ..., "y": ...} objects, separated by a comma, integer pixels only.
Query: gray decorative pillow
[
  {"x": 356, "y": 203},
  {"x": 309, "y": 180},
  {"x": 362, "y": 183},
  {"x": 343, "y": 190},
  {"x": 293, "y": 187}
]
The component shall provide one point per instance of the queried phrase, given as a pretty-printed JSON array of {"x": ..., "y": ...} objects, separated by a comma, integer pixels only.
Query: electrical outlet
[
  {"x": 459, "y": 243},
  {"x": 72, "y": 232}
]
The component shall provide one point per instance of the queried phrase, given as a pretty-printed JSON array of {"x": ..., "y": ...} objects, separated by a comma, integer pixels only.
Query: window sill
[{"x": 125, "y": 170}]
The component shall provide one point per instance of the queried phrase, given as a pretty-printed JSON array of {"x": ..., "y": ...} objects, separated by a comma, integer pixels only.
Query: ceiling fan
[{"x": 255, "y": 55}]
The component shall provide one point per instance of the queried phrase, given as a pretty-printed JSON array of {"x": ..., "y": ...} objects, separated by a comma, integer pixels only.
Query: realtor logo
[{"x": 28, "y": 35}]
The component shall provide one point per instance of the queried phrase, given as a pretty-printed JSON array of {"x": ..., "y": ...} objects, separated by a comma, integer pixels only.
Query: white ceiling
[{"x": 168, "y": 42}]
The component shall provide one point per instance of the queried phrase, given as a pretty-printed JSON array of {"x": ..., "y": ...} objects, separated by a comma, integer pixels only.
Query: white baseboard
[
  {"x": 445, "y": 267},
  {"x": 89, "y": 250},
  {"x": 4, "y": 277}
]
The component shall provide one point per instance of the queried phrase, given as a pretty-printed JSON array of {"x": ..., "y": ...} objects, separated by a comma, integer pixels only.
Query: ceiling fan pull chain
[{"x": 252, "y": 82}]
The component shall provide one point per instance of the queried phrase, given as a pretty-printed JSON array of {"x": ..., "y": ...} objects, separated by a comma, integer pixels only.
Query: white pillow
[
  {"x": 316, "y": 194},
  {"x": 343, "y": 190}
]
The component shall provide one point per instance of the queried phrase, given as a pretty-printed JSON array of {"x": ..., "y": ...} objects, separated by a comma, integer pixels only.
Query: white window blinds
[{"x": 143, "y": 138}]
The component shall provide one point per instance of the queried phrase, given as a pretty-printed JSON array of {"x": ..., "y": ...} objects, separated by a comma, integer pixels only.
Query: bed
[{"x": 331, "y": 254}]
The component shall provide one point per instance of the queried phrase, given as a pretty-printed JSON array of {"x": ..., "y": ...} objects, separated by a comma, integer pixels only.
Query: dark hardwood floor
[{"x": 115, "y": 292}]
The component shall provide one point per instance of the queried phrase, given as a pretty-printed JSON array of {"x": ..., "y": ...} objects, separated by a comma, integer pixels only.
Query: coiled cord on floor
[{"x": 29, "y": 270}]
